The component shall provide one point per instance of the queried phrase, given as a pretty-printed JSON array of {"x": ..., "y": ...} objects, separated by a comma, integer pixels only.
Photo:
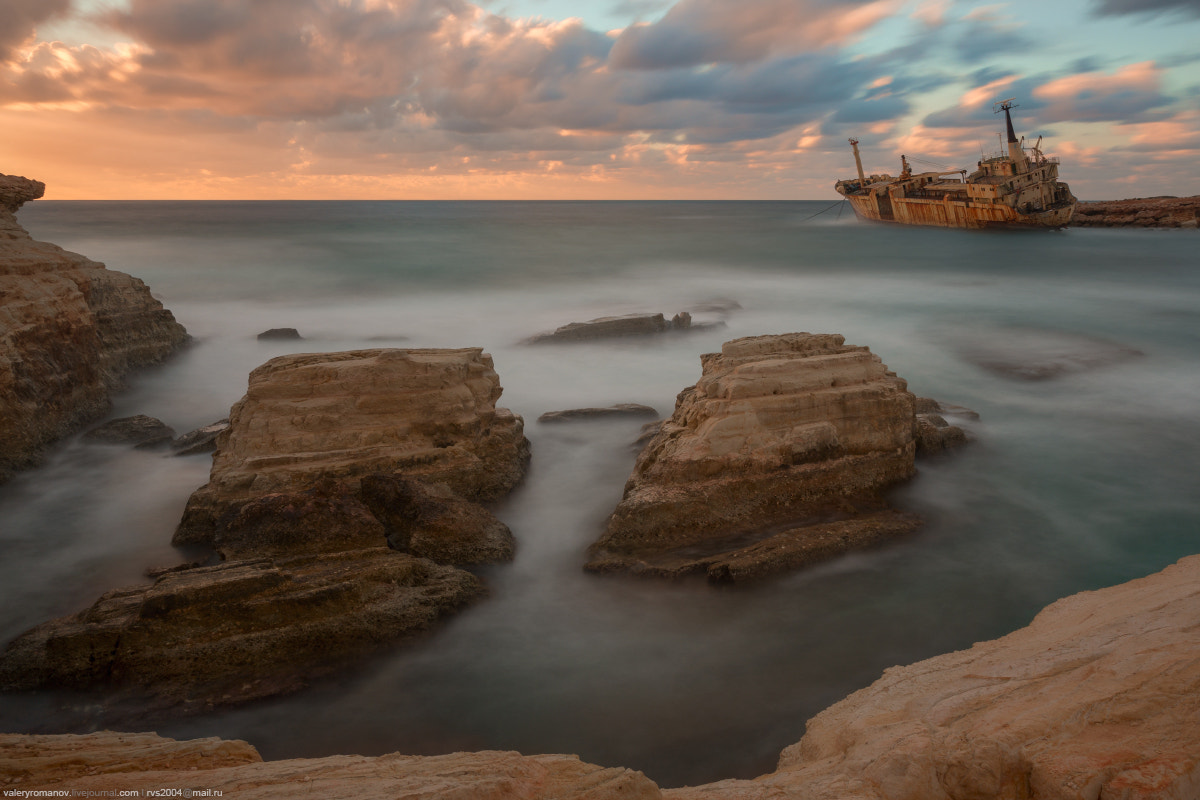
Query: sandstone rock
[
  {"x": 201, "y": 440},
  {"x": 138, "y": 430},
  {"x": 620, "y": 326},
  {"x": 784, "y": 431},
  {"x": 221, "y": 635},
  {"x": 619, "y": 410},
  {"x": 280, "y": 333},
  {"x": 1099, "y": 697},
  {"x": 423, "y": 414},
  {"x": 70, "y": 330},
  {"x": 108, "y": 761},
  {"x": 1148, "y": 212}
]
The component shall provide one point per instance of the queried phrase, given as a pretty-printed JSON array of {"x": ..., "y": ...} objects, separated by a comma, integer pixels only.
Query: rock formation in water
[
  {"x": 70, "y": 330},
  {"x": 607, "y": 412},
  {"x": 1148, "y": 212},
  {"x": 1098, "y": 697},
  {"x": 621, "y": 326},
  {"x": 221, "y": 635},
  {"x": 330, "y": 465},
  {"x": 777, "y": 457},
  {"x": 428, "y": 415}
]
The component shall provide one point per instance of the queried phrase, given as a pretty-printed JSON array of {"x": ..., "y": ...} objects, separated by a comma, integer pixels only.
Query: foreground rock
[
  {"x": 70, "y": 330},
  {"x": 776, "y": 458},
  {"x": 1098, "y": 698},
  {"x": 210, "y": 636},
  {"x": 620, "y": 326},
  {"x": 427, "y": 415},
  {"x": 145, "y": 762},
  {"x": 1148, "y": 212}
]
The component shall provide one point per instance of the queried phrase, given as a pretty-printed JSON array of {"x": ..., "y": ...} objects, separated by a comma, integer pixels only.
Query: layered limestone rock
[
  {"x": 1098, "y": 697},
  {"x": 775, "y": 458},
  {"x": 426, "y": 415},
  {"x": 1148, "y": 212},
  {"x": 108, "y": 761},
  {"x": 210, "y": 636},
  {"x": 70, "y": 330}
]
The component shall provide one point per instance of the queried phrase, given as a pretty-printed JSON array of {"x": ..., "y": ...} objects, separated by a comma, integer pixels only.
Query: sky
[{"x": 585, "y": 99}]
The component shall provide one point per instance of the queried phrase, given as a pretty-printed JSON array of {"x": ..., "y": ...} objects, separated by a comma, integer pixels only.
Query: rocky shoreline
[
  {"x": 349, "y": 492},
  {"x": 1098, "y": 697},
  {"x": 1148, "y": 212}
]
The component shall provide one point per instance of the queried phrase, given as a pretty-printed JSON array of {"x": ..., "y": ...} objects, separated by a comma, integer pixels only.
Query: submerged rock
[
  {"x": 222, "y": 635},
  {"x": 1034, "y": 354},
  {"x": 70, "y": 331},
  {"x": 424, "y": 414},
  {"x": 777, "y": 457},
  {"x": 619, "y": 410},
  {"x": 138, "y": 430}
]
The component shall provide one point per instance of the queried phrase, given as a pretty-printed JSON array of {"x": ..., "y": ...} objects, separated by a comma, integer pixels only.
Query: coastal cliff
[
  {"x": 70, "y": 330},
  {"x": 1098, "y": 697},
  {"x": 1147, "y": 212}
]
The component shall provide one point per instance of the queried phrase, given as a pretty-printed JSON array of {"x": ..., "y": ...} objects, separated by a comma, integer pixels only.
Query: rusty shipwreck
[{"x": 1012, "y": 189}]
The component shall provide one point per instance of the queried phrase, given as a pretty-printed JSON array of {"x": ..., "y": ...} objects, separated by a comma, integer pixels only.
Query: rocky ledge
[
  {"x": 776, "y": 458},
  {"x": 206, "y": 637},
  {"x": 1097, "y": 698},
  {"x": 70, "y": 330},
  {"x": 1148, "y": 212}
]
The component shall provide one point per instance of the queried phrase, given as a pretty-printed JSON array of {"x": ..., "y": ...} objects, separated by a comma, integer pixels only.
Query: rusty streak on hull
[{"x": 956, "y": 213}]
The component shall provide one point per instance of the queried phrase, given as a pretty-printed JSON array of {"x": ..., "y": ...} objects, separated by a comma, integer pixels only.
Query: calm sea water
[{"x": 1073, "y": 482}]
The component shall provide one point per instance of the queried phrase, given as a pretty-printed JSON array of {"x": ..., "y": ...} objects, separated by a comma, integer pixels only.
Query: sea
[{"x": 1078, "y": 349}]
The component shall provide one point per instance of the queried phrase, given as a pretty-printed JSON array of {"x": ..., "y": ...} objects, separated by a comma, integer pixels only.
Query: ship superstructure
[{"x": 1016, "y": 188}]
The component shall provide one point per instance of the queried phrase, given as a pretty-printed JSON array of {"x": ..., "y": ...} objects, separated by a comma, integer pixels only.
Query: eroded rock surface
[
  {"x": 1147, "y": 212},
  {"x": 110, "y": 761},
  {"x": 221, "y": 635},
  {"x": 70, "y": 330},
  {"x": 428, "y": 415},
  {"x": 775, "y": 458}
]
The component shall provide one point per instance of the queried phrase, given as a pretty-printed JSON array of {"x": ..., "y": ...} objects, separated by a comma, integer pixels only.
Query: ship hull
[{"x": 955, "y": 213}]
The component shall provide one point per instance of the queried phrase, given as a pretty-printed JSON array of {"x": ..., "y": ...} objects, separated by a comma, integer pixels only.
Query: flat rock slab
[
  {"x": 222, "y": 635},
  {"x": 280, "y": 333},
  {"x": 608, "y": 412},
  {"x": 138, "y": 430},
  {"x": 201, "y": 440},
  {"x": 621, "y": 326}
]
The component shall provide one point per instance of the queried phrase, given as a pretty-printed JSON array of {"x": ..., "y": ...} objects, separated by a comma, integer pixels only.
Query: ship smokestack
[
  {"x": 862, "y": 179},
  {"x": 1015, "y": 152}
]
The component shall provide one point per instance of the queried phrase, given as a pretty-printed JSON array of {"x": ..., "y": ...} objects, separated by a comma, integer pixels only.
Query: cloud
[
  {"x": 20, "y": 20},
  {"x": 1125, "y": 95},
  {"x": 697, "y": 32},
  {"x": 1112, "y": 8}
]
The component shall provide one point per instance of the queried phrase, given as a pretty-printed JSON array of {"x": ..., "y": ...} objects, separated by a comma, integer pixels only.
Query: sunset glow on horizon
[{"x": 642, "y": 99}]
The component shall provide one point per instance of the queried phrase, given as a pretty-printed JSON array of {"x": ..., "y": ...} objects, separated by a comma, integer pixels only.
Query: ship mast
[{"x": 862, "y": 179}]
